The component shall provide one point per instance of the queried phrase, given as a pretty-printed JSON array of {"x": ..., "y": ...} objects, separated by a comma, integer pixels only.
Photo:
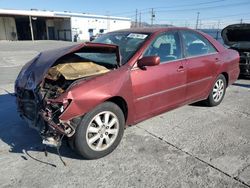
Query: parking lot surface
[{"x": 193, "y": 146}]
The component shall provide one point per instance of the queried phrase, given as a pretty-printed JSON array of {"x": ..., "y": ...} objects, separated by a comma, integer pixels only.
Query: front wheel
[
  {"x": 218, "y": 91},
  {"x": 100, "y": 131}
]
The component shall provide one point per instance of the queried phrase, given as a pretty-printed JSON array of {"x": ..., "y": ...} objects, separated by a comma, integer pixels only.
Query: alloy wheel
[
  {"x": 102, "y": 131},
  {"x": 218, "y": 90}
]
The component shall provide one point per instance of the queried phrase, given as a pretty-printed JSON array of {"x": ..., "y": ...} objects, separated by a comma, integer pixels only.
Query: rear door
[
  {"x": 202, "y": 58},
  {"x": 160, "y": 87}
]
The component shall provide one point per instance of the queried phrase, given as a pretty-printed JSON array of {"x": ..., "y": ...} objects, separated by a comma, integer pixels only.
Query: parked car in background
[
  {"x": 237, "y": 37},
  {"x": 90, "y": 92},
  {"x": 93, "y": 37}
]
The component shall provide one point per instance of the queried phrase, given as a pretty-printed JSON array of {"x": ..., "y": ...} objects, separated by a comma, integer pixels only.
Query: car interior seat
[
  {"x": 164, "y": 52},
  {"x": 196, "y": 49}
]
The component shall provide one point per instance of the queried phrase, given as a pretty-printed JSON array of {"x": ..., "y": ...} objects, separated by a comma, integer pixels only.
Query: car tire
[
  {"x": 100, "y": 131},
  {"x": 217, "y": 92}
]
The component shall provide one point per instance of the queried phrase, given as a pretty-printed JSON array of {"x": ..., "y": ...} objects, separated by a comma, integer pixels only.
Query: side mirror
[{"x": 148, "y": 61}]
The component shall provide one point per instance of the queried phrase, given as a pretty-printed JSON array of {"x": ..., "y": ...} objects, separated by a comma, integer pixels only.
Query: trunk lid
[{"x": 237, "y": 36}]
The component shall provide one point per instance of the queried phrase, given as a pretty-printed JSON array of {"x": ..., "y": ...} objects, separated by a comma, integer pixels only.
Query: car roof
[
  {"x": 157, "y": 30},
  {"x": 150, "y": 29}
]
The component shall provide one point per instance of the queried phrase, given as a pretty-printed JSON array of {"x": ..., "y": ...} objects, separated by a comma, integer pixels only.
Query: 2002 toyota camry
[{"x": 89, "y": 92}]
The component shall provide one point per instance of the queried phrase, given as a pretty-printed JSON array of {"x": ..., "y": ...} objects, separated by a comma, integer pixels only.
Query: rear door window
[{"x": 195, "y": 44}]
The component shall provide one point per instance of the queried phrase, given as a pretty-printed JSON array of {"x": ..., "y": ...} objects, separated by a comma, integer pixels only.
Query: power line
[
  {"x": 182, "y": 5},
  {"x": 190, "y": 4},
  {"x": 196, "y": 6},
  {"x": 191, "y": 9},
  {"x": 203, "y": 8},
  {"x": 206, "y": 18},
  {"x": 226, "y": 16}
]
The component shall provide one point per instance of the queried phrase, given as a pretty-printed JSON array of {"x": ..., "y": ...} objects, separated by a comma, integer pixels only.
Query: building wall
[
  {"x": 83, "y": 27},
  {"x": 119, "y": 24},
  {"x": 8, "y": 28},
  {"x": 61, "y": 26}
]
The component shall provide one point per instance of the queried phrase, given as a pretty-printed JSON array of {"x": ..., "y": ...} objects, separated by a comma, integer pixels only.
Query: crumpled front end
[
  {"x": 43, "y": 115},
  {"x": 41, "y": 85}
]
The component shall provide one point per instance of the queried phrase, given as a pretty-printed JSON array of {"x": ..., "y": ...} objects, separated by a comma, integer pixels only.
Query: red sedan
[{"x": 89, "y": 92}]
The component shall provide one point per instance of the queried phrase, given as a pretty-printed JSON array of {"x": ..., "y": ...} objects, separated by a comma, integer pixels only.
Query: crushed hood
[
  {"x": 34, "y": 71},
  {"x": 237, "y": 36}
]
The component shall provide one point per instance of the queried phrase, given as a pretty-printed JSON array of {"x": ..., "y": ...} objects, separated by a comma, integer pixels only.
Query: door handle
[{"x": 180, "y": 69}]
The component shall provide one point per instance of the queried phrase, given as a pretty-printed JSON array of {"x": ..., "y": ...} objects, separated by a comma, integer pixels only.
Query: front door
[{"x": 160, "y": 87}]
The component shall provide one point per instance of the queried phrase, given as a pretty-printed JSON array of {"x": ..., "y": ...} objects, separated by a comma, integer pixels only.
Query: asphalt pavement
[{"x": 192, "y": 146}]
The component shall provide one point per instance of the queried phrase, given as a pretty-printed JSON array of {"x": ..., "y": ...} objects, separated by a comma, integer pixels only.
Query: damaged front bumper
[
  {"x": 42, "y": 84},
  {"x": 50, "y": 115},
  {"x": 28, "y": 106},
  {"x": 43, "y": 115}
]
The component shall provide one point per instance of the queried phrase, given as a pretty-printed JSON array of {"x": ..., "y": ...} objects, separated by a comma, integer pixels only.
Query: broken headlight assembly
[{"x": 51, "y": 114}]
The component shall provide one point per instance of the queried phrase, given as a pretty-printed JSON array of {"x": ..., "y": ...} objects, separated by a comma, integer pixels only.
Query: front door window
[{"x": 166, "y": 46}]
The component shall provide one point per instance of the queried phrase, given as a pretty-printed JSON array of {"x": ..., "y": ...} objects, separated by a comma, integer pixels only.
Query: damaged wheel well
[{"x": 121, "y": 103}]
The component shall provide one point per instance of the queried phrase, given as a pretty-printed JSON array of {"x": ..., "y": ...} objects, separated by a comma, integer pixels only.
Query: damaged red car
[{"x": 90, "y": 92}]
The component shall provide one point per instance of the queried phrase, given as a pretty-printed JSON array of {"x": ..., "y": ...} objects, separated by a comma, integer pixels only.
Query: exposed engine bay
[
  {"x": 67, "y": 71},
  {"x": 57, "y": 80}
]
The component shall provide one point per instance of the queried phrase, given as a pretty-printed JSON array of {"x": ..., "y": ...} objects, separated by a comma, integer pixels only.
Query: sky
[{"x": 212, "y": 13}]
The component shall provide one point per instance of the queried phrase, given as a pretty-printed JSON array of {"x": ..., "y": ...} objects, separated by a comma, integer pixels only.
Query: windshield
[{"x": 128, "y": 42}]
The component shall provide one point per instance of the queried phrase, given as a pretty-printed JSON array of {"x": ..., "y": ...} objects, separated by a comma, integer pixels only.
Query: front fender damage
[{"x": 64, "y": 114}]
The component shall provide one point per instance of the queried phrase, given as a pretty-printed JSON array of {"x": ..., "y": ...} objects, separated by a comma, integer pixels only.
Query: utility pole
[
  {"x": 152, "y": 17},
  {"x": 218, "y": 27},
  {"x": 241, "y": 21},
  {"x": 136, "y": 15},
  {"x": 197, "y": 20},
  {"x": 140, "y": 19},
  {"x": 31, "y": 28}
]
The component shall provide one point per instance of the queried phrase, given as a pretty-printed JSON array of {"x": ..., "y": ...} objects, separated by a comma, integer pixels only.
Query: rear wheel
[
  {"x": 218, "y": 91},
  {"x": 100, "y": 131}
]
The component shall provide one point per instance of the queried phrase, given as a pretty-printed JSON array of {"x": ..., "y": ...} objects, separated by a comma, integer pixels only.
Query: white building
[{"x": 52, "y": 25}]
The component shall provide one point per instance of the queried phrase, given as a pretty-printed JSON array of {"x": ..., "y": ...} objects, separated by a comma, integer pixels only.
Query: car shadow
[
  {"x": 242, "y": 85},
  {"x": 19, "y": 137},
  {"x": 199, "y": 104}
]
